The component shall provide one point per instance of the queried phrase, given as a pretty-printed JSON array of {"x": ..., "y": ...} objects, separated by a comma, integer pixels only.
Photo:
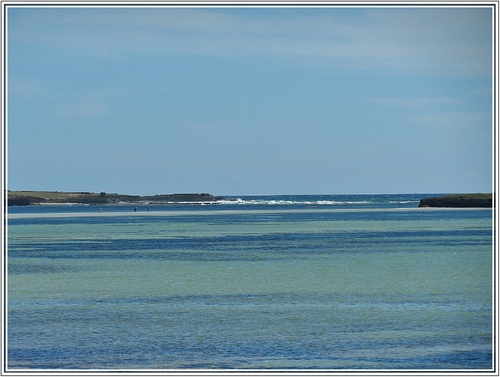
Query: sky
[{"x": 249, "y": 100}]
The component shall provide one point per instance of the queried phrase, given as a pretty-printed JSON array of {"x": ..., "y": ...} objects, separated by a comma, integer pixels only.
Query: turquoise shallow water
[{"x": 306, "y": 288}]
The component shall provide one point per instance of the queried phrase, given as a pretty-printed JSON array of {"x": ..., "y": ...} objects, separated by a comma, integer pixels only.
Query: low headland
[
  {"x": 25, "y": 198},
  {"x": 459, "y": 201}
]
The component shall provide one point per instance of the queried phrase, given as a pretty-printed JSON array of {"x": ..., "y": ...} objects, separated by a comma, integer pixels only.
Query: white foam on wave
[
  {"x": 239, "y": 201},
  {"x": 403, "y": 201}
]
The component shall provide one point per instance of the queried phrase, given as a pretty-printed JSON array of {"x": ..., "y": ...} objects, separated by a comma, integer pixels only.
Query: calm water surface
[{"x": 352, "y": 282}]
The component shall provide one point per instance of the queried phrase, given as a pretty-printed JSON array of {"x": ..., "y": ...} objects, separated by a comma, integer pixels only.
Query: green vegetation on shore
[
  {"x": 459, "y": 201},
  {"x": 23, "y": 198}
]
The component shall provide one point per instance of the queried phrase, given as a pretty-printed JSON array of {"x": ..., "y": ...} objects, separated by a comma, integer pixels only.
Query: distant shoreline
[
  {"x": 27, "y": 198},
  {"x": 61, "y": 198},
  {"x": 459, "y": 201}
]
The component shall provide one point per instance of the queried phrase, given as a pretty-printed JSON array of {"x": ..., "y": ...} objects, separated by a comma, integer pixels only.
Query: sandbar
[{"x": 222, "y": 212}]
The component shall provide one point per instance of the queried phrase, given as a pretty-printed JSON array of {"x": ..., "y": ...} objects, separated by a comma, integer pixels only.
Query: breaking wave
[{"x": 240, "y": 201}]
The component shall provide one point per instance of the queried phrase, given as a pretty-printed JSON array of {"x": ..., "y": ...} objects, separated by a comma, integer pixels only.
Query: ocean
[{"x": 293, "y": 283}]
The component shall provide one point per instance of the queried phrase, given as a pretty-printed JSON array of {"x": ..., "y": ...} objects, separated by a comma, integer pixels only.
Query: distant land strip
[
  {"x": 25, "y": 198},
  {"x": 459, "y": 201}
]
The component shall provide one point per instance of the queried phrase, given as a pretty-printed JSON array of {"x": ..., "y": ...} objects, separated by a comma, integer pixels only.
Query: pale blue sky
[{"x": 250, "y": 100}]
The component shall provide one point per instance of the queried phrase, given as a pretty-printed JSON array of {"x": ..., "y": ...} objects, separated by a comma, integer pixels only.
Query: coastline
[
  {"x": 30, "y": 198},
  {"x": 477, "y": 200},
  {"x": 59, "y": 198}
]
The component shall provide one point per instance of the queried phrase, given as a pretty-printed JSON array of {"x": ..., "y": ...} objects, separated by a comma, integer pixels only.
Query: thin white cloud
[
  {"x": 485, "y": 91},
  {"x": 83, "y": 110},
  {"x": 417, "y": 40},
  {"x": 453, "y": 120},
  {"x": 204, "y": 127},
  {"x": 24, "y": 88},
  {"x": 416, "y": 102}
]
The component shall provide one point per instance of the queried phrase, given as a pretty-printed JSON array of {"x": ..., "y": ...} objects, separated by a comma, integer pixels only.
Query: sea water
[{"x": 251, "y": 283}]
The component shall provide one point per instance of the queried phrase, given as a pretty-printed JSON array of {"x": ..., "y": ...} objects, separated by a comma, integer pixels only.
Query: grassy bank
[{"x": 22, "y": 198}]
